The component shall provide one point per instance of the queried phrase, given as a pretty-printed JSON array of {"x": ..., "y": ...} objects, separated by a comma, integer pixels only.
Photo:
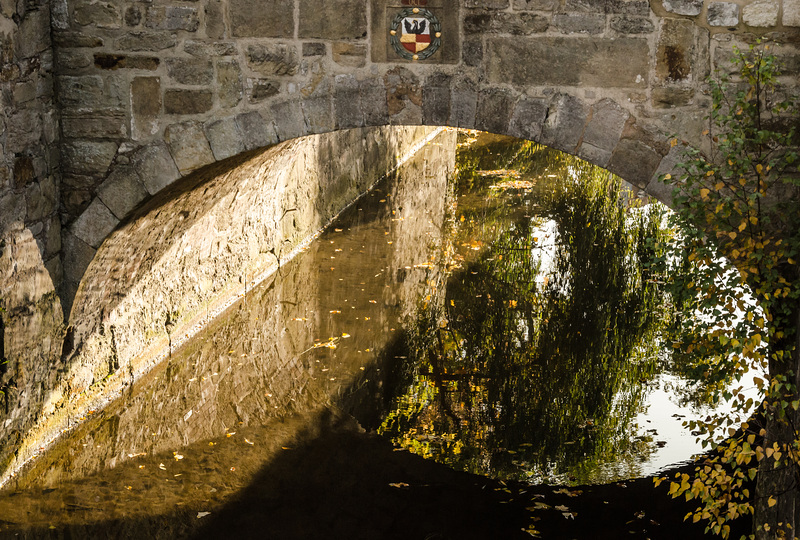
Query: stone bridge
[{"x": 106, "y": 103}]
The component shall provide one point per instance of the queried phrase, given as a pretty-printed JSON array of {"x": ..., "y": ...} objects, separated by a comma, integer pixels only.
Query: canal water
[{"x": 485, "y": 308}]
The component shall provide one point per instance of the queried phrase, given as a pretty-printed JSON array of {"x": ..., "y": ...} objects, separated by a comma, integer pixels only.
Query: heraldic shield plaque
[{"x": 422, "y": 31}]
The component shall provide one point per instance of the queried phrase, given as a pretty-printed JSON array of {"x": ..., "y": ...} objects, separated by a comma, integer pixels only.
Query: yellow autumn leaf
[
  {"x": 667, "y": 176},
  {"x": 742, "y": 226},
  {"x": 759, "y": 168},
  {"x": 710, "y": 173},
  {"x": 772, "y": 501},
  {"x": 704, "y": 193},
  {"x": 732, "y": 235},
  {"x": 719, "y": 185},
  {"x": 673, "y": 142}
]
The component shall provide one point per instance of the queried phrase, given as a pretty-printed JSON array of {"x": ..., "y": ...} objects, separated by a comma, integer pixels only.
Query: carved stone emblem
[{"x": 415, "y": 33}]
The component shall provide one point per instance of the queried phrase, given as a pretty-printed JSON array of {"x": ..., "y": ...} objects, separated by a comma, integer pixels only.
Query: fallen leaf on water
[
  {"x": 202, "y": 514},
  {"x": 562, "y": 508},
  {"x": 162, "y": 467},
  {"x": 177, "y": 456},
  {"x": 248, "y": 442},
  {"x": 129, "y": 488},
  {"x": 399, "y": 484},
  {"x": 233, "y": 469},
  {"x": 569, "y": 515},
  {"x": 231, "y": 434}
]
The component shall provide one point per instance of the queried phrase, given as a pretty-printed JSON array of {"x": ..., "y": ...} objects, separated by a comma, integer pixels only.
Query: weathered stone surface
[
  {"x": 527, "y": 119},
  {"x": 634, "y": 161},
  {"x": 606, "y": 122},
  {"x": 494, "y": 110},
  {"x": 40, "y": 199},
  {"x": 69, "y": 59},
  {"x": 566, "y": 119},
  {"x": 631, "y": 24},
  {"x": 229, "y": 83},
  {"x": 346, "y": 103},
  {"x": 535, "y": 5},
  {"x": 192, "y": 71},
  {"x": 569, "y": 62},
  {"x": 349, "y": 54},
  {"x": 113, "y": 126},
  {"x": 132, "y": 16},
  {"x": 188, "y": 145},
  {"x": 318, "y": 114},
  {"x": 122, "y": 191},
  {"x": 33, "y": 34},
  {"x": 172, "y": 18},
  {"x": 209, "y": 49},
  {"x": 215, "y": 19},
  {"x": 117, "y": 61},
  {"x": 372, "y": 94},
  {"x": 76, "y": 39},
  {"x": 23, "y": 129},
  {"x": 12, "y": 209},
  {"x": 463, "y": 104},
  {"x": 518, "y": 24},
  {"x": 403, "y": 92},
  {"x": 723, "y": 14},
  {"x": 24, "y": 172},
  {"x": 179, "y": 101},
  {"x": 683, "y": 7},
  {"x": 224, "y": 138},
  {"x": 580, "y": 23},
  {"x": 436, "y": 100},
  {"x": 791, "y": 13},
  {"x": 255, "y": 130},
  {"x": 52, "y": 243},
  {"x": 287, "y": 117},
  {"x": 761, "y": 13},
  {"x": 486, "y": 4},
  {"x": 261, "y": 89},
  {"x": 277, "y": 59},
  {"x": 100, "y": 14},
  {"x": 96, "y": 222},
  {"x": 269, "y": 18},
  {"x": 472, "y": 51},
  {"x": 146, "y": 41},
  {"x": 628, "y": 7},
  {"x": 77, "y": 256},
  {"x": 87, "y": 157},
  {"x": 155, "y": 167},
  {"x": 88, "y": 93},
  {"x": 333, "y": 19},
  {"x": 313, "y": 49},
  {"x": 675, "y": 48},
  {"x": 672, "y": 96},
  {"x": 145, "y": 106}
]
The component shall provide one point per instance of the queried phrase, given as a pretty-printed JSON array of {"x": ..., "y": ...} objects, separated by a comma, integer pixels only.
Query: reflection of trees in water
[{"x": 533, "y": 358}]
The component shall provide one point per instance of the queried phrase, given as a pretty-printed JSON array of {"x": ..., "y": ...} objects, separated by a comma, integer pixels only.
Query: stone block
[
  {"x": 668, "y": 165},
  {"x": 562, "y": 61},
  {"x": 436, "y": 100},
  {"x": 255, "y": 130},
  {"x": 188, "y": 146},
  {"x": 791, "y": 13},
  {"x": 723, "y": 14},
  {"x": 463, "y": 104},
  {"x": 155, "y": 166},
  {"x": 352, "y": 55},
  {"x": 493, "y": 111},
  {"x": 132, "y": 16},
  {"x": 535, "y": 5},
  {"x": 346, "y": 102},
  {"x": 52, "y": 239},
  {"x": 486, "y": 4},
  {"x": 287, "y": 117},
  {"x": 94, "y": 224},
  {"x": 111, "y": 126},
  {"x": 76, "y": 39},
  {"x": 74, "y": 201},
  {"x": 683, "y": 7},
  {"x": 100, "y": 14},
  {"x": 179, "y": 101},
  {"x": 261, "y": 89},
  {"x": 87, "y": 157},
  {"x": 628, "y": 7},
  {"x": 580, "y": 23},
  {"x": 606, "y": 122},
  {"x": 264, "y": 18},
  {"x": 77, "y": 256},
  {"x": 372, "y": 94},
  {"x": 518, "y": 24},
  {"x": 215, "y": 19},
  {"x": 761, "y": 13},
  {"x": 401, "y": 90},
  {"x": 59, "y": 14},
  {"x": 674, "y": 50},
  {"x": 224, "y": 138},
  {"x": 190, "y": 71},
  {"x": 527, "y": 119},
  {"x": 172, "y": 18},
  {"x": 318, "y": 114},
  {"x": 122, "y": 191},
  {"x": 146, "y": 41},
  {"x": 12, "y": 209},
  {"x": 119, "y": 61},
  {"x": 671, "y": 96},
  {"x": 23, "y": 172},
  {"x": 333, "y": 19},
  {"x": 593, "y": 154},
  {"x": 23, "y": 130},
  {"x": 274, "y": 59},
  {"x": 229, "y": 83},
  {"x": 313, "y": 49},
  {"x": 69, "y": 59},
  {"x": 32, "y": 34},
  {"x": 209, "y": 48},
  {"x": 88, "y": 93},
  {"x": 632, "y": 24},
  {"x": 565, "y": 122},
  {"x": 634, "y": 162},
  {"x": 40, "y": 199},
  {"x": 472, "y": 51},
  {"x": 145, "y": 106}
]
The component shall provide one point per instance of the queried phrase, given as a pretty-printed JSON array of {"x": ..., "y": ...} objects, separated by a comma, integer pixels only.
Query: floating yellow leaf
[{"x": 772, "y": 501}]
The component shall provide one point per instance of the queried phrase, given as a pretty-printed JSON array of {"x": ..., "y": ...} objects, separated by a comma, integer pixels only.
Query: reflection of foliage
[
  {"x": 742, "y": 204},
  {"x": 531, "y": 361}
]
